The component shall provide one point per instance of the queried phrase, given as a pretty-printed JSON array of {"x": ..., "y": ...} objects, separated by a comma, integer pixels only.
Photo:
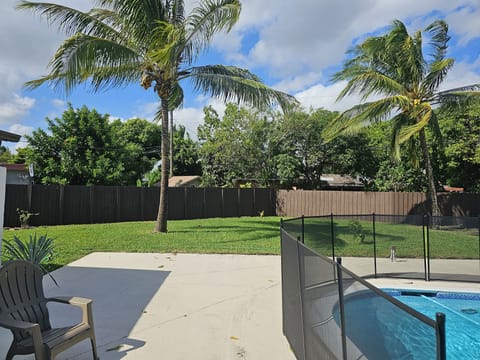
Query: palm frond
[
  {"x": 82, "y": 57},
  {"x": 458, "y": 97},
  {"x": 73, "y": 21},
  {"x": 437, "y": 72},
  {"x": 439, "y": 39},
  {"x": 176, "y": 97},
  {"x": 357, "y": 117},
  {"x": 368, "y": 82},
  {"x": 207, "y": 19},
  {"x": 422, "y": 114},
  {"x": 239, "y": 85}
]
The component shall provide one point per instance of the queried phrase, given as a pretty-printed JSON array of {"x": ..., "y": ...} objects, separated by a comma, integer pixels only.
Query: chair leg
[
  {"x": 10, "y": 353},
  {"x": 94, "y": 348}
]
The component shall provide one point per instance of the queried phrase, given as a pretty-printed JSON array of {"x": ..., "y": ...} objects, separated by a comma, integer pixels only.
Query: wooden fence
[
  {"x": 57, "y": 204},
  {"x": 312, "y": 203}
]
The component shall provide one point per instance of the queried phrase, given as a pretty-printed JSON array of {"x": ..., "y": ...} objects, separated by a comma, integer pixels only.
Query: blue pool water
[
  {"x": 382, "y": 330},
  {"x": 462, "y": 313}
]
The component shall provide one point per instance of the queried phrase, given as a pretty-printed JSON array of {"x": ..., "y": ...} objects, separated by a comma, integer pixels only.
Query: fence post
[
  {"x": 61, "y": 202},
  {"x": 426, "y": 255},
  {"x": 342, "y": 307},
  {"x": 440, "y": 332},
  {"x": 374, "y": 246},
  {"x": 91, "y": 203},
  {"x": 301, "y": 276},
  {"x": 332, "y": 235},
  {"x": 303, "y": 229}
]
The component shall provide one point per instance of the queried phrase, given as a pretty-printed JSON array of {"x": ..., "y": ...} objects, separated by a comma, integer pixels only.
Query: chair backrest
[{"x": 21, "y": 295}]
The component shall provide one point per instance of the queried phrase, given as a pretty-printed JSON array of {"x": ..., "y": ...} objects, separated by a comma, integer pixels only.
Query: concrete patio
[{"x": 166, "y": 306}]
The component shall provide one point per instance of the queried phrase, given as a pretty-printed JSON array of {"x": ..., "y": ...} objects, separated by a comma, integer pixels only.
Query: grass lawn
[
  {"x": 249, "y": 235},
  {"x": 254, "y": 235}
]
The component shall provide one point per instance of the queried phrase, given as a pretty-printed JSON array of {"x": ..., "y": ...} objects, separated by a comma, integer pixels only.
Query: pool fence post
[
  {"x": 301, "y": 275},
  {"x": 424, "y": 237},
  {"x": 303, "y": 229},
  {"x": 440, "y": 332},
  {"x": 332, "y": 235},
  {"x": 374, "y": 245},
  {"x": 431, "y": 218},
  {"x": 342, "y": 307}
]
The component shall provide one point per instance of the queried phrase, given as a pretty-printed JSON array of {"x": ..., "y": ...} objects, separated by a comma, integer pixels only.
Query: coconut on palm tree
[
  {"x": 154, "y": 43},
  {"x": 404, "y": 85}
]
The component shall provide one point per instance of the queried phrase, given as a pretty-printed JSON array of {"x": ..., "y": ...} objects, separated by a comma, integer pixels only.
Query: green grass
[
  {"x": 255, "y": 235},
  {"x": 249, "y": 235},
  {"x": 408, "y": 240}
]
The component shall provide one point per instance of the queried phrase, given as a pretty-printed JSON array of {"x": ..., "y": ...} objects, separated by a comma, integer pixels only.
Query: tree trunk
[
  {"x": 161, "y": 223},
  {"x": 171, "y": 143},
  {"x": 432, "y": 191}
]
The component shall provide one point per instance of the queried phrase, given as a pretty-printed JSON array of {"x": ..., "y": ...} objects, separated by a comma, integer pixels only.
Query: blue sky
[{"x": 294, "y": 46}]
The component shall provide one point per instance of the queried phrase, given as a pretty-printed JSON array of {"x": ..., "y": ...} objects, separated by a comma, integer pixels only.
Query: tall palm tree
[
  {"x": 154, "y": 43},
  {"x": 394, "y": 69}
]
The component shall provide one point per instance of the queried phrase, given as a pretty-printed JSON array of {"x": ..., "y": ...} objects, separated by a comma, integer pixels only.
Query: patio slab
[{"x": 185, "y": 306}]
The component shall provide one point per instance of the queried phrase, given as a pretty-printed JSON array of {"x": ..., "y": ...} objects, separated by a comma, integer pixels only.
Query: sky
[{"x": 293, "y": 46}]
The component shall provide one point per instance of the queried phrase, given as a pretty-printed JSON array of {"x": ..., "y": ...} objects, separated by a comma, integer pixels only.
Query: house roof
[
  {"x": 8, "y": 136},
  {"x": 15, "y": 167},
  {"x": 176, "y": 181},
  {"x": 339, "y": 180}
]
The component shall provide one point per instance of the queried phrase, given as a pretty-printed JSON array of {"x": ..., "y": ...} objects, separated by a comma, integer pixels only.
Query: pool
[
  {"x": 462, "y": 311},
  {"x": 381, "y": 330}
]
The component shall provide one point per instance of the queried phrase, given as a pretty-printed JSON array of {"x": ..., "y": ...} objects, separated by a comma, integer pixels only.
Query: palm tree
[
  {"x": 394, "y": 69},
  {"x": 154, "y": 43}
]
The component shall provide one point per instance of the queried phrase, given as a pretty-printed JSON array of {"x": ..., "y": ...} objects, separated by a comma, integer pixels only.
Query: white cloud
[
  {"x": 325, "y": 96},
  {"x": 21, "y": 129},
  {"x": 307, "y": 36},
  {"x": 14, "y": 108},
  {"x": 462, "y": 74}
]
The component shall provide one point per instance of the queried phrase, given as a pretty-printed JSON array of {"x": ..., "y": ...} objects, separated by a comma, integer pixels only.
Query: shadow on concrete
[{"x": 119, "y": 299}]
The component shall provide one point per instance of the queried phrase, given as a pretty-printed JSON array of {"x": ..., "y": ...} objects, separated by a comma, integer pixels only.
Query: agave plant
[{"x": 36, "y": 250}]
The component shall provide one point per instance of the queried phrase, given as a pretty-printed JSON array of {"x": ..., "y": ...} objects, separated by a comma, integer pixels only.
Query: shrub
[{"x": 35, "y": 250}]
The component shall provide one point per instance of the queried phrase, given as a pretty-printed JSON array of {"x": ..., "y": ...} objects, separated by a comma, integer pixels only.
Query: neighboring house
[
  {"x": 184, "y": 181},
  {"x": 17, "y": 174},
  {"x": 452, "y": 189},
  {"x": 7, "y": 136},
  {"x": 340, "y": 182}
]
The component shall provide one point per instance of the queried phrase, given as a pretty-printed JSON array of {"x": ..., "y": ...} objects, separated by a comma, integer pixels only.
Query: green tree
[
  {"x": 302, "y": 152},
  {"x": 5, "y": 155},
  {"x": 154, "y": 42},
  {"x": 139, "y": 140},
  {"x": 461, "y": 130},
  {"x": 394, "y": 68},
  {"x": 186, "y": 156},
  {"x": 78, "y": 149},
  {"x": 234, "y": 147}
]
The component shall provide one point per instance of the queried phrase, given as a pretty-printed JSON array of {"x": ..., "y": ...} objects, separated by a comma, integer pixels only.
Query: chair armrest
[
  {"x": 84, "y": 304},
  {"x": 32, "y": 328},
  {"x": 12, "y": 324},
  {"x": 74, "y": 300}
]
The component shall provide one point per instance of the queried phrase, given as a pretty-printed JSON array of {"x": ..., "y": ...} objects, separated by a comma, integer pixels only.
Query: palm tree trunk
[
  {"x": 171, "y": 143},
  {"x": 161, "y": 223},
  {"x": 432, "y": 191}
]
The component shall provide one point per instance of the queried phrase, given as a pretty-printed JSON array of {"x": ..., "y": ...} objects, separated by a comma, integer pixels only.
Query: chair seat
[{"x": 59, "y": 336}]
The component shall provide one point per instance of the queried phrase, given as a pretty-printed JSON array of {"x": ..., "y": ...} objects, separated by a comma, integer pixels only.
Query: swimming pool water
[
  {"x": 462, "y": 314},
  {"x": 381, "y": 330}
]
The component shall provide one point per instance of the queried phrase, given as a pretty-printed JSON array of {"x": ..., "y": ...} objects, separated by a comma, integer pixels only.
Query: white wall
[{"x": 3, "y": 180}]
